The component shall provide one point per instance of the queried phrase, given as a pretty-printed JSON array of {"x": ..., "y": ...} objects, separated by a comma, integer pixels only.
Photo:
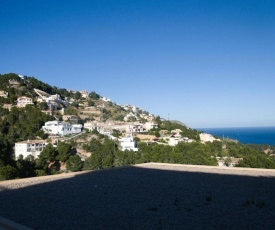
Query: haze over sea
[{"x": 245, "y": 135}]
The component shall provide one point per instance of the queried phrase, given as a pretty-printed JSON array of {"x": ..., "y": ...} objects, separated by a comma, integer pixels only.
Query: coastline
[{"x": 245, "y": 135}]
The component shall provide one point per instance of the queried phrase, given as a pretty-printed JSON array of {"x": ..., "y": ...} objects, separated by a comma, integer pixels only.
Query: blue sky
[{"x": 207, "y": 63}]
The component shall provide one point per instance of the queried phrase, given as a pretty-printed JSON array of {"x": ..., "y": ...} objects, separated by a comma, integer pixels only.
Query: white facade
[
  {"x": 174, "y": 140},
  {"x": 55, "y": 97},
  {"x": 90, "y": 126},
  {"x": 150, "y": 125},
  {"x": 84, "y": 93},
  {"x": 4, "y": 94},
  {"x": 61, "y": 128},
  {"x": 23, "y": 101},
  {"x": 128, "y": 143},
  {"x": 14, "y": 82},
  {"x": 135, "y": 128},
  {"x": 43, "y": 96},
  {"x": 204, "y": 137},
  {"x": 30, "y": 147},
  {"x": 105, "y": 99}
]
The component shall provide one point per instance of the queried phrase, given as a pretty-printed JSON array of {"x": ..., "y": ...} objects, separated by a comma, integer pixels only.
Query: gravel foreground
[{"x": 146, "y": 196}]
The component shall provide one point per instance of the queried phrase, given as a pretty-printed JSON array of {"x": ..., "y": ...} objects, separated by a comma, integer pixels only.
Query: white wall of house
[
  {"x": 23, "y": 101},
  {"x": 84, "y": 93},
  {"x": 4, "y": 94},
  {"x": 150, "y": 125},
  {"x": 105, "y": 99},
  {"x": 204, "y": 137},
  {"x": 61, "y": 128},
  {"x": 90, "y": 126},
  {"x": 30, "y": 147},
  {"x": 128, "y": 143},
  {"x": 173, "y": 141}
]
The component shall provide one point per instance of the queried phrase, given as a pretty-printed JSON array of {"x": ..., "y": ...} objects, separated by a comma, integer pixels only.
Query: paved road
[{"x": 146, "y": 198}]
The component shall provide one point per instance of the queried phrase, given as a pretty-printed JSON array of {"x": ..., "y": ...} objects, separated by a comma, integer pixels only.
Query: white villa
[
  {"x": 135, "y": 128},
  {"x": 14, "y": 82},
  {"x": 23, "y": 101},
  {"x": 128, "y": 143},
  {"x": 90, "y": 126},
  {"x": 147, "y": 117},
  {"x": 176, "y": 137},
  {"x": 61, "y": 128},
  {"x": 84, "y": 93},
  {"x": 29, "y": 147},
  {"x": 150, "y": 125},
  {"x": 105, "y": 99},
  {"x": 4, "y": 94},
  {"x": 43, "y": 96},
  {"x": 205, "y": 137}
]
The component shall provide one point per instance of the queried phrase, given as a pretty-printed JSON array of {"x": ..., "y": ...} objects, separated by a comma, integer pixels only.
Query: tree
[
  {"x": 43, "y": 105},
  {"x": 157, "y": 134},
  {"x": 74, "y": 163},
  {"x": 119, "y": 118},
  {"x": 91, "y": 103},
  {"x": 93, "y": 95},
  {"x": 77, "y": 95},
  {"x": 26, "y": 167},
  {"x": 7, "y": 172},
  {"x": 47, "y": 155},
  {"x": 64, "y": 151},
  {"x": 132, "y": 119}
]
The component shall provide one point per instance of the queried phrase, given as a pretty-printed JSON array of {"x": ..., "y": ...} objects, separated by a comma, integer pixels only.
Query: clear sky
[{"x": 207, "y": 63}]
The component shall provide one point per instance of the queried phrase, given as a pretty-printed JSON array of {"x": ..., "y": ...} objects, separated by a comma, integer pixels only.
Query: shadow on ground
[{"x": 139, "y": 198}]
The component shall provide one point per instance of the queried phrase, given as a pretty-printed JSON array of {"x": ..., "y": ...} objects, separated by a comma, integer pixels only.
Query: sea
[{"x": 248, "y": 135}]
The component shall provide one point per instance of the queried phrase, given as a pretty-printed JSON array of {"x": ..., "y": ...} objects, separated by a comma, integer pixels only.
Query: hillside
[{"x": 161, "y": 140}]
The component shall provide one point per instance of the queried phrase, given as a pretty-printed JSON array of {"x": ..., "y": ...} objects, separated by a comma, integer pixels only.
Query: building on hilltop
[
  {"x": 51, "y": 100},
  {"x": 150, "y": 125},
  {"x": 61, "y": 128},
  {"x": 105, "y": 99},
  {"x": 23, "y": 101},
  {"x": 4, "y": 94},
  {"x": 84, "y": 93},
  {"x": 7, "y": 106},
  {"x": 135, "y": 128},
  {"x": 29, "y": 147},
  {"x": 175, "y": 138},
  {"x": 14, "y": 82}
]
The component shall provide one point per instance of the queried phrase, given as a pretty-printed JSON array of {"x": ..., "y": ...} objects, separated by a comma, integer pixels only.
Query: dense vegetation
[{"x": 106, "y": 154}]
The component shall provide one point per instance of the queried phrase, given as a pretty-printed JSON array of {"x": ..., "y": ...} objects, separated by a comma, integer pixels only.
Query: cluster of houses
[
  {"x": 63, "y": 128},
  {"x": 70, "y": 126},
  {"x": 108, "y": 127}
]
